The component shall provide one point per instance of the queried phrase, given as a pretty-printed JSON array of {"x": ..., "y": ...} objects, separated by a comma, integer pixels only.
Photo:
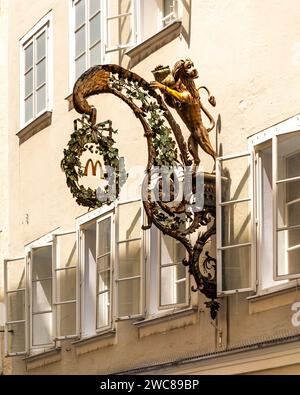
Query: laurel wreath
[{"x": 94, "y": 139}]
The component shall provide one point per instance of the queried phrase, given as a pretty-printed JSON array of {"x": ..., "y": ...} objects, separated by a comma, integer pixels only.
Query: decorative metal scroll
[{"x": 167, "y": 150}]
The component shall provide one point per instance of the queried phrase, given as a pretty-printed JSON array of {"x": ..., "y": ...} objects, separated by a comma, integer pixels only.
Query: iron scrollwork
[{"x": 167, "y": 149}]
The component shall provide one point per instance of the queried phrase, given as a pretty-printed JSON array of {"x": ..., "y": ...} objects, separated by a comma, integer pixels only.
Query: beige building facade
[{"x": 90, "y": 292}]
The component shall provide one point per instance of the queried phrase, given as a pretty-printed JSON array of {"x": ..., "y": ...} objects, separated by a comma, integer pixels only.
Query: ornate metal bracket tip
[{"x": 168, "y": 154}]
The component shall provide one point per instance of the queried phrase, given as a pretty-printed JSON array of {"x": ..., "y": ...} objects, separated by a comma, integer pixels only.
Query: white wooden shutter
[
  {"x": 129, "y": 259},
  {"x": 16, "y": 302},
  {"x": 235, "y": 224},
  {"x": 121, "y": 25},
  {"x": 65, "y": 285},
  {"x": 286, "y": 205},
  {"x": 104, "y": 271},
  {"x": 41, "y": 300}
]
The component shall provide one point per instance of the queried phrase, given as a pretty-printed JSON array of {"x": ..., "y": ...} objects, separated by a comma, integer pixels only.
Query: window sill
[
  {"x": 43, "y": 358},
  {"x": 38, "y": 124},
  {"x": 273, "y": 298},
  {"x": 95, "y": 343},
  {"x": 43, "y": 354},
  {"x": 167, "y": 322},
  {"x": 152, "y": 44},
  {"x": 99, "y": 336},
  {"x": 275, "y": 290}
]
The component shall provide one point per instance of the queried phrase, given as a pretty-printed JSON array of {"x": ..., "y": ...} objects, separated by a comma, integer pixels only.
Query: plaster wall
[{"x": 250, "y": 65}]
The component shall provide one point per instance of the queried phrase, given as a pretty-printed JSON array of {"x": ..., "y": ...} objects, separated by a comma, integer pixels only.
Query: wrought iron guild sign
[{"x": 167, "y": 150}]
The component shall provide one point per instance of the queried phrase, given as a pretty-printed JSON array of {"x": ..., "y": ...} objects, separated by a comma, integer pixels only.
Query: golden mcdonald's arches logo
[{"x": 94, "y": 168}]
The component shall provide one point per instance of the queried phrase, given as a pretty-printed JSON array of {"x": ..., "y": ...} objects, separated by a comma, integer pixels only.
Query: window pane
[
  {"x": 28, "y": 83},
  {"x": 41, "y": 99},
  {"x": 95, "y": 55},
  {"x": 42, "y": 329},
  {"x": 79, "y": 13},
  {"x": 66, "y": 250},
  {"x": 28, "y": 108},
  {"x": 66, "y": 319},
  {"x": 236, "y": 223},
  {"x": 181, "y": 271},
  {"x": 41, "y": 263},
  {"x": 66, "y": 285},
  {"x": 103, "y": 310},
  {"x": 288, "y": 155},
  {"x": 288, "y": 204},
  {"x": 41, "y": 46},
  {"x": 181, "y": 292},
  {"x": 95, "y": 32},
  {"x": 16, "y": 306},
  {"x": 120, "y": 31},
  {"x": 104, "y": 236},
  {"x": 80, "y": 66},
  {"x": 129, "y": 259},
  {"x": 167, "y": 7},
  {"x": 42, "y": 295},
  {"x": 94, "y": 6},
  {"x": 80, "y": 41},
  {"x": 16, "y": 337},
  {"x": 129, "y": 221},
  {"x": 41, "y": 73},
  {"x": 180, "y": 252},
  {"x": 237, "y": 171},
  {"x": 236, "y": 265},
  {"x": 28, "y": 57},
  {"x": 104, "y": 262},
  {"x": 104, "y": 281},
  {"x": 15, "y": 274},
  {"x": 288, "y": 254},
  {"x": 167, "y": 249},
  {"x": 129, "y": 297},
  {"x": 172, "y": 291}
]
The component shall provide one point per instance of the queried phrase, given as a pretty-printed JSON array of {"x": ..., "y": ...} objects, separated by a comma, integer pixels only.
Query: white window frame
[
  {"x": 43, "y": 241},
  {"x": 105, "y": 51},
  {"x": 45, "y": 24},
  {"x": 172, "y": 306},
  {"x": 110, "y": 215},
  {"x": 276, "y": 229},
  {"x": 133, "y": 14},
  {"x": 252, "y": 243},
  {"x": 54, "y": 282},
  {"x": 142, "y": 261},
  {"x": 291, "y": 125},
  {"x": 25, "y": 321},
  {"x": 169, "y": 18},
  {"x": 31, "y": 313},
  {"x": 81, "y": 222}
]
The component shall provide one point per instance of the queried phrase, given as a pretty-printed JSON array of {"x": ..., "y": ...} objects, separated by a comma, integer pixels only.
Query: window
[
  {"x": 65, "y": 285},
  {"x": 103, "y": 30},
  {"x": 36, "y": 86},
  {"x": 15, "y": 302},
  {"x": 235, "y": 246},
  {"x": 111, "y": 244},
  {"x": 168, "y": 285},
  {"x": 129, "y": 258},
  {"x": 173, "y": 276},
  {"x": 258, "y": 212},
  {"x": 156, "y": 15},
  {"x": 88, "y": 44},
  {"x": 169, "y": 12},
  {"x": 41, "y": 301},
  {"x": 41, "y": 294},
  {"x": 97, "y": 268}
]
